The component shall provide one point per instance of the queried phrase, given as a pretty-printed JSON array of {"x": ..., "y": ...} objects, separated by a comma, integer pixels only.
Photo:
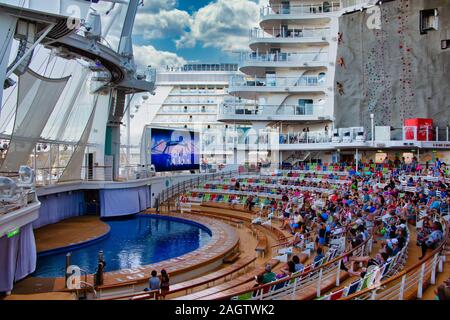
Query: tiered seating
[
  {"x": 373, "y": 276},
  {"x": 189, "y": 285}
]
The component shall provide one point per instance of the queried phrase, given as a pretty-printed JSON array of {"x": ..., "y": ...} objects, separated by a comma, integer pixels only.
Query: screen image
[{"x": 174, "y": 150}]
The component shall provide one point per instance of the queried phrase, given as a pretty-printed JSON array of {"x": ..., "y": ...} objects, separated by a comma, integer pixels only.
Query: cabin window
[
  {"x": 429, "y": 20},
  {"x": 445, "y": 44}
]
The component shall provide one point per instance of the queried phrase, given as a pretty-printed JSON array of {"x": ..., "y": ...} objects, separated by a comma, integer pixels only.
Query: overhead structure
[{"x": 77, "y": 34}]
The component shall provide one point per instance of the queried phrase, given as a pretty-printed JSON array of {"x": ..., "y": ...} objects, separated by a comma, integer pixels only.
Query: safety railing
[
  {"x": 411, "y": 282},
  {"x": 305, "y": 137},
  {"x": 261, "y": 110},
  {"x": 189, "y": 184},
  {"x": 302, "y": 81},
  {"x": 295, "y": 57},
  {"x": 314, "y": 275},
  {"x": 425, "y": 133},
  {"x": 17, "y": 190},
  {"x": 373, "y": 276},
  {"x": 286, "y": 33},
  {"x": 304, "y": 9}
]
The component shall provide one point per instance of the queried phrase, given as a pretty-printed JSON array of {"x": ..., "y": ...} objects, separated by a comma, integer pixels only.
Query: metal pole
[
  {"x": 68, "y": 263},
  {"x": 372, "y": 125},
  {"x": 35, "y": 164},
  {"x": 50, "y": 163},
  {"x": 319, "y": 282},
  {"x": 128, "y": 135},
  {"x": 357, "y": 160}
]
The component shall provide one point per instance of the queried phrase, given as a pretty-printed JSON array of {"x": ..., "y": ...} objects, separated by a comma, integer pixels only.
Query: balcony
[
  {"x": 249, "y": 87},
  {"x": 241, "y": 113},
  {"x": 262, "y": 39},
  {"x": 253, "y": 62},
  {"x": 298, "y": 12}
]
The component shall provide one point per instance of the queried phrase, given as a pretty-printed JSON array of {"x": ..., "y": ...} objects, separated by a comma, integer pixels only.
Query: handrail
[
  {"x": 404, "y": 272},
  {"x": 283, "y": 280}
]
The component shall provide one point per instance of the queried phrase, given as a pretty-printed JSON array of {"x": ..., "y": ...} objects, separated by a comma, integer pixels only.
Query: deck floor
[{"x": 69, "y": 232}]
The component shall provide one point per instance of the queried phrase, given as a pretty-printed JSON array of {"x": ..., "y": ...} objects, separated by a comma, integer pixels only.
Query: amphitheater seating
[
  {"x": 229, "y": 284},
  {"x": 242, "y": 264}
]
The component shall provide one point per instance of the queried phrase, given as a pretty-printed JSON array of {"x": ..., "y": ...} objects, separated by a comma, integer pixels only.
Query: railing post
[
  {"x": 338, "y": 273},
  {"x": 433, "y": 268},
  {"x": 441, "y": 264},
  {"x": 402, "y": 288},
  {"x": 295, "y": 286},
  {"x": 373, "y": 295},
  {"x": 319, "y": 282},
  {"x": 420, "y": 284}
]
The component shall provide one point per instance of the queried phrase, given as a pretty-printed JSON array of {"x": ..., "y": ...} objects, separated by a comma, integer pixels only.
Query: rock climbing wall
[{"x": 394, "y": 72}]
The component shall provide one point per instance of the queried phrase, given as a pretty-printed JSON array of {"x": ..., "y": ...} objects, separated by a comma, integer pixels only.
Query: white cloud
[
  {"x": 171, "y": 24},
  {"x": 154, "y": 6},
  {"x": 145, "y": 55},
  {"x": 148, "y": 55},
  {"x": 223, "y": 24}
]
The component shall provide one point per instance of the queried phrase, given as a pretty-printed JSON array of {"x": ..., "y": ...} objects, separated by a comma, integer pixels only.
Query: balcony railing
[
  {"x": 268, "y": 110},
  {"x": 305, "y": 137},
  {"x": 303, "y": 81},
  {"x": 286, "y": 33},
  {"x": 300, "y": 9},
  {"x": 190, "y": 101},
  {"x": 285, "y": 57}
]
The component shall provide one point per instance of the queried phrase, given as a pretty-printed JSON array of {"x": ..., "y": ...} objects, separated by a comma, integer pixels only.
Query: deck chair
[
  {"x": 245, "y": 296},
  {"x": 337, "y": 295},
  {"x": 206, "y": 197},
  {"x": 226, "y": 197},
  {"x": 352, "y": 288}
]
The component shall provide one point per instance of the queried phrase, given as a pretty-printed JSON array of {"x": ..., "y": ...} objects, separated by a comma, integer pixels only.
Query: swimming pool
[{"x": 136, "y": 241}]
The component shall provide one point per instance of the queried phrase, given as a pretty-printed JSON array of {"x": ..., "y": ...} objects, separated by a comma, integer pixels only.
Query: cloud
[
  {"x": 145, "y": 55},
  {"x": 155, "y": 6},
  {"x": 223, "y": 24},
  {"x": 173, "y": 24}
]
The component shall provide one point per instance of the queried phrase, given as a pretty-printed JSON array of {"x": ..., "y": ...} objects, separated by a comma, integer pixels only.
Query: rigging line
[
  {"x": 66, "y": 93},
  {"x": 51, "y": 71},
  {"x": 57, "y": 117}
]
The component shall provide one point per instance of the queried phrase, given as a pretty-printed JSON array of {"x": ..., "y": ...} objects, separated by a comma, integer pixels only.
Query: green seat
[
  {"x": 226, "y": 198},
  {"x": 207, "y": 197},
  {"x": 244, "y": 296}
]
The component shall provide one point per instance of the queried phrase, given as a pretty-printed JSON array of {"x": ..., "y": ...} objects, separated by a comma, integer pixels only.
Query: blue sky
[{"x": 170, "y": 32}]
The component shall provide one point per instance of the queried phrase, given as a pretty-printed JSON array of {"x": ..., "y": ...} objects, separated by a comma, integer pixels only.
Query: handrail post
[
  {"x": 295, "y": 286},
  {"x": 433, "y": 268},
  {"x": 420, "y": 284},
  {"x": 441, "y": 264},
  {"x": 338, "y": 274},
  {"x": 319, "y": 282},
  {"x": 402, "y": 288},
  {"x": 374, "y": 294}
]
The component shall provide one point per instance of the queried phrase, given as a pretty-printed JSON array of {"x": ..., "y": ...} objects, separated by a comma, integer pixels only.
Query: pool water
[{"x": 133, "y": 242}]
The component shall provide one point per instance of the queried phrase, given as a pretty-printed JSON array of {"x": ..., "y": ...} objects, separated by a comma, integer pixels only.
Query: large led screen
[{"x": 174, "y": 149}]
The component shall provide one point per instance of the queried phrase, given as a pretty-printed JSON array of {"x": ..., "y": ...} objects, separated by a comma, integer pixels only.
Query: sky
[{"x": 175, "y": 32}]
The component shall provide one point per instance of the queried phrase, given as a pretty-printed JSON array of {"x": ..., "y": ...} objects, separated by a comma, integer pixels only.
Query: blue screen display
[{"x": 174, "y": 150}]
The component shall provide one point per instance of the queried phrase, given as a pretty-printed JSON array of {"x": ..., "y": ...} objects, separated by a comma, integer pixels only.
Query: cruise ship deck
[{"x": 314, "y": 167}]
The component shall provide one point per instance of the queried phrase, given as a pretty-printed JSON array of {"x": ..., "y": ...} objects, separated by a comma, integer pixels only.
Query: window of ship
[
  {"x": 429, "y": 20},
  {"x": 321, "y": 78}
]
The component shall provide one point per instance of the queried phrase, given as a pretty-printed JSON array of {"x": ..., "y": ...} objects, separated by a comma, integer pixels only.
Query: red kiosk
[{"x": 423, "y": 127}]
